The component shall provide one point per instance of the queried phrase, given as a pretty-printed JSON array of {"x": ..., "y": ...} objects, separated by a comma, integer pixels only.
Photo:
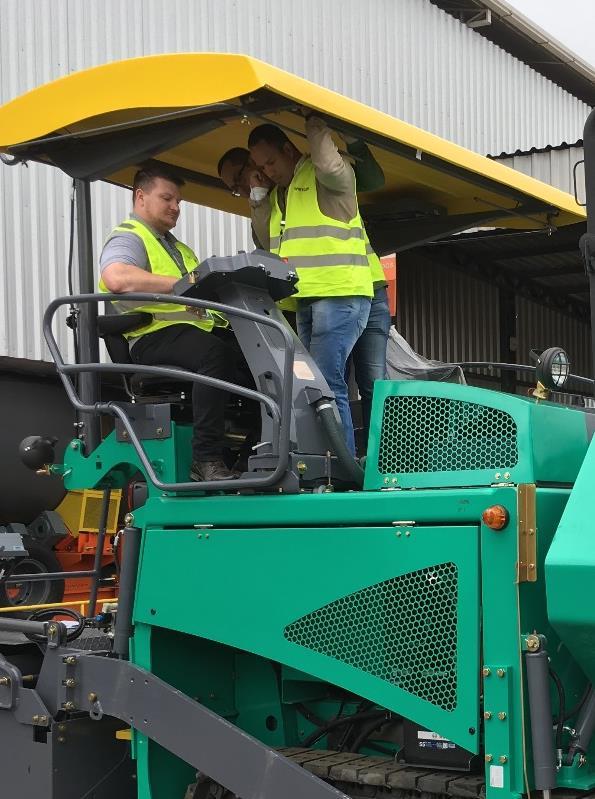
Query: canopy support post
[{"x": 88, "y": 340}]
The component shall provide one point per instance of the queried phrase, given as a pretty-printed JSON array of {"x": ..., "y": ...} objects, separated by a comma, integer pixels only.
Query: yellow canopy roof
[{"x": 187, "y": 109}]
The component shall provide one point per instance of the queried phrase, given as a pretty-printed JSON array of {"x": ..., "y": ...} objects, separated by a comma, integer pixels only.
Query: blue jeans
[
  {"x": 369, "y": 353},
  {"x": 328, "y": 328}
]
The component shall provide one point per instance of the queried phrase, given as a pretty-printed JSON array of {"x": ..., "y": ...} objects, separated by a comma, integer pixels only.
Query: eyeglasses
[{"x": 236, "y": 187}]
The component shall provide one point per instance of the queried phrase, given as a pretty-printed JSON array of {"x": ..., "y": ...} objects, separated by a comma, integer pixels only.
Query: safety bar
[
  {"x": 280, "y": 413},
  {"x": 514, "y": 367},
  {"x": 74, "y": 603}
]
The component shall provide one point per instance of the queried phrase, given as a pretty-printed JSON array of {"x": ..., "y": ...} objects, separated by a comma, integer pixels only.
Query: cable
[
  {"x": 73, "y": 311},
  {"x": 71, "y": 240},
  {"x": 49, "y": 613},
  {"x": 116, "y": 551},
  {"x": 368, "y": 730},
  {"x": 316, "y": 735},
  {"x": 561, "y": 708},
  {"x": 309, "y": 716},
  {"x": 343, "y": 745},
  {"x": 577, "y": 707}
]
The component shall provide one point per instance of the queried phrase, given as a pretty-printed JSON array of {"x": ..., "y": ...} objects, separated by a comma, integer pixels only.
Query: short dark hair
[
  {"x": 237, "y": 155},
  {"x": 269, "y": 134},
  {"x": 146, "y": 176}
]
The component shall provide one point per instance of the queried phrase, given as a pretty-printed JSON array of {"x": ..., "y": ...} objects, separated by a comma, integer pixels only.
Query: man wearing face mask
[{"x": 235, "y": 168}]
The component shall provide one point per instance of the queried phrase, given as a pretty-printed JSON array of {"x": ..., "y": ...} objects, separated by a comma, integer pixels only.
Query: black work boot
[{"x": 211, "y": 470}]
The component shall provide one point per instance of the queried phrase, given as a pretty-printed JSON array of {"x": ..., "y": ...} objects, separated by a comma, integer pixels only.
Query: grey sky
[{"x": 571, "y": 22}]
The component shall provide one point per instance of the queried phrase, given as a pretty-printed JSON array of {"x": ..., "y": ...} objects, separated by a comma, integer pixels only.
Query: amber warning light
[{"x": 495, "y": 517}]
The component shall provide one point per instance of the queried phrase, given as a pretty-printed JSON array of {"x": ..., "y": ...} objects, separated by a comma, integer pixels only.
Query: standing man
[
  {"x": 236, "y": 168},
  {"x": 142, "y": 255},
  {"x": 311, "y": 217}
]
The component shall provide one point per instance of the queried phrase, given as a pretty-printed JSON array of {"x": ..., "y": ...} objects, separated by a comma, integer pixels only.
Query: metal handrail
[
  {"x": 279, "y": 412},
  {"x": 514, "y": 367},
  {"x": 80, "y": 603}
]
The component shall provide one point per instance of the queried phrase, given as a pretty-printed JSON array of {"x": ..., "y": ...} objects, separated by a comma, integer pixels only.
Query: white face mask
[{"x": 258, "y": 193}]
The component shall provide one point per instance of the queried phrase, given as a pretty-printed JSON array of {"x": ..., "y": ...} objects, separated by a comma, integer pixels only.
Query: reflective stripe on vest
[
  {"x": 329, "y": 255},
  {"x": 161, "y": 262}
]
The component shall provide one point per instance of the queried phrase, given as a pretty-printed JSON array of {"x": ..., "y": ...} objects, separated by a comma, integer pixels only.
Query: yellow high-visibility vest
[
  {"x": 328, "y": 255},
  {"x": 161, "y": 263}
]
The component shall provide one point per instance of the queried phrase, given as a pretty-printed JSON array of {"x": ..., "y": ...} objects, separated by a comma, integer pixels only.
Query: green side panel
[
  {"x": 560, "y": 439},
  {"x": 550, "y": 506},
  {"x": 391, "y": 615},
  {"x": 438, "y": 435},
  {"x": 115, "y": 462},
  {"x": 570, "y": 571}
]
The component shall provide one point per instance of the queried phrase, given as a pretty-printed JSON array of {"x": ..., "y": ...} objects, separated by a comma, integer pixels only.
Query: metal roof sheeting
[
  {"x": 407, "y": 58},
  {"x": 553, "y": 165},
  {"x": 525, "y": 40}
]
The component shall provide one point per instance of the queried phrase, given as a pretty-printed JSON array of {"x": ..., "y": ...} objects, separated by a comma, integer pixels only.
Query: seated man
[{"x": 141, "y": 255}]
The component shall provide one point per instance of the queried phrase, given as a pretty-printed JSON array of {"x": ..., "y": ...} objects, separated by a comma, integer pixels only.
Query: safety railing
[
  {"x": 280, "y": 412},
  {"x": 81, "y": 604}
]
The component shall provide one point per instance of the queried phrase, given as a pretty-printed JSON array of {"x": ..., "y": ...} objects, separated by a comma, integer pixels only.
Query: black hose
[
  {"x": 309, "y": 716},
  {"x": 48, "y": 614},
  {"x": 561, "y": 708},
  {"x": 575, "y": 708},
  {"x": 337, "y": 444},
  {"x": 367, "y": 731},
  {"x": 72, "y": 320},
  {"x": 316, "y": 735}
]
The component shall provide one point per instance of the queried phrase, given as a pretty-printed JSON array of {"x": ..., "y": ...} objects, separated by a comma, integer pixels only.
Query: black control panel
[{"x": 258, "y": 269}]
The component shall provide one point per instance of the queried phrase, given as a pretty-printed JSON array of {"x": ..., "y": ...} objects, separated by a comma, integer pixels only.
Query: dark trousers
[{"x": 193, "y": 349}]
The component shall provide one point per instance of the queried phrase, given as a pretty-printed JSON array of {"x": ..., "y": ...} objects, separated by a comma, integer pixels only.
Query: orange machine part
[{"x": 389, "y": 264}]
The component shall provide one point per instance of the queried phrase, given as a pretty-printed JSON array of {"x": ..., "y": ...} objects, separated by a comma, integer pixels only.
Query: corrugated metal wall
[
  {"x": 554, "y": 166},
  {"x": 445, "y": 314},
  {"x": 449, "y": 316},
  {"x": 537, "y": 329},
  {"x": 405, "y": 57}
]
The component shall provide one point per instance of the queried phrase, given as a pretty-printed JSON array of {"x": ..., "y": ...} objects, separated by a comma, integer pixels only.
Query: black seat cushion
[
  {"x": 154, "y": 384},
  {"x": 117, "y": 324},
  {"x": 111, "y": 329}
]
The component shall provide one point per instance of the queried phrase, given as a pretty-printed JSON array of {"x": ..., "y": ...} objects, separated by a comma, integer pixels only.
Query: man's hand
[
  {"x": 256, "y": 178},
  {"x": 201, "y": 313}
]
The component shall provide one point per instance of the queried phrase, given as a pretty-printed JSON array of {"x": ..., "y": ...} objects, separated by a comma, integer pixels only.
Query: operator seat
[
  {"x": 139, "y": 387},
  {"x": 242, "y": 416}
]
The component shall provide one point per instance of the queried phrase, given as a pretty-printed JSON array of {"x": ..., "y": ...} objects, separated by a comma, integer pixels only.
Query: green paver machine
[{"x": 422, "y": 626}]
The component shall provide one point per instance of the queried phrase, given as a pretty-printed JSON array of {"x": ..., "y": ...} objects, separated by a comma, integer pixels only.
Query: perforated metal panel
[
  {"x": 402, "y": 630},
  {"x": 435, "y": 434}
]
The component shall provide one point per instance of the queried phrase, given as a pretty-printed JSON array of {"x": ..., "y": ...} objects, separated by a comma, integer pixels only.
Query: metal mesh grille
[
  {"x": 403, "y": 630},
  {"x": 434, "y": 434}
]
